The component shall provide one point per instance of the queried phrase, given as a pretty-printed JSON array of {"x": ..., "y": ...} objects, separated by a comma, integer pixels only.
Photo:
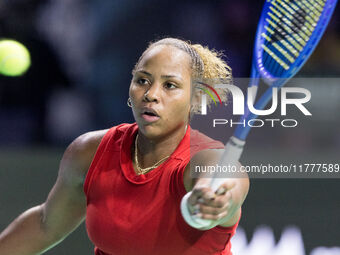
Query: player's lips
[{"x": 149, "y": 114}]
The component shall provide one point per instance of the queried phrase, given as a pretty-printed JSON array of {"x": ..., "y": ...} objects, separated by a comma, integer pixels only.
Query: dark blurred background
[{"x": 82, "y": 56}]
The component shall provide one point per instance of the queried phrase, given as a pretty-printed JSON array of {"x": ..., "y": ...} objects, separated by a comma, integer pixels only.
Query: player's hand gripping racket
[{"x": 287, "y": 33}]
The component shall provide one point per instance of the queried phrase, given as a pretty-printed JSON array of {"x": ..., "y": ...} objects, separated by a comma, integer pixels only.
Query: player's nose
[{"x": 153, "y": 93}]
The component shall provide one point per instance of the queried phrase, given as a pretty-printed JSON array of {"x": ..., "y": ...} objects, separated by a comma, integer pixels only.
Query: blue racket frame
[
  {"x": 258, "y": 69},
  {"x": 234, "y": 147}
]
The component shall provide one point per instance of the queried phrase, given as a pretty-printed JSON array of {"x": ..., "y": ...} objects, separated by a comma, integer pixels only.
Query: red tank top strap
[{"x": 100, "y": 151}]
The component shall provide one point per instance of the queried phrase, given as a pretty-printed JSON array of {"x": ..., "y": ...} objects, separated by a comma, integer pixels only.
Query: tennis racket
[{"x": 287, "y": 34}]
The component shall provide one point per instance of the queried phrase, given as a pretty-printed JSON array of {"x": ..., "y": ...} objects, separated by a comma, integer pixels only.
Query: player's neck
[{"x": 151, "y": 151}]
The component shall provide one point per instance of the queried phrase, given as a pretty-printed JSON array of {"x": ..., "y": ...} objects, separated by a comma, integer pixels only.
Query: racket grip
[
  {"x": 193, "y": 220},
  {"x": 231, "y": 155},
  {"x": 229, "y": 161}
]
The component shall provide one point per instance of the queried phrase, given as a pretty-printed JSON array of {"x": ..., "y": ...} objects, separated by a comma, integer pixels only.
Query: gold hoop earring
[{"x": 129, "y": 102}]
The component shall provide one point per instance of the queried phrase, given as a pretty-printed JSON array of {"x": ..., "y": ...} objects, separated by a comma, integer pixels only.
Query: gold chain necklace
[{"x": 147, "y": 169}]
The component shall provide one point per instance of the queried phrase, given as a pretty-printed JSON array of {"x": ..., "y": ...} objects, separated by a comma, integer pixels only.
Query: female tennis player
[{"x": 128, "y": 181}]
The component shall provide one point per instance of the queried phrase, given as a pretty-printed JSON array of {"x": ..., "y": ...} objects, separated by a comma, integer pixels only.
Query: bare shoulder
[
  {"x": 208, "y": 156},
  {"x": 79, "y": 155}
]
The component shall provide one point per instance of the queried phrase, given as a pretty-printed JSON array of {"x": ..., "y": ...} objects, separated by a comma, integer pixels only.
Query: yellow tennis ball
[{"x": 14, "y": 58}]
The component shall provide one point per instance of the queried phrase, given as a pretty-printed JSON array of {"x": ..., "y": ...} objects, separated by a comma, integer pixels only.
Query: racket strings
[
  {"x": 310, "y": 20},
  {"x": 290, "y": 24},
  {"x": 312, "y": 17},
  {"x": 298, "y": 18}
]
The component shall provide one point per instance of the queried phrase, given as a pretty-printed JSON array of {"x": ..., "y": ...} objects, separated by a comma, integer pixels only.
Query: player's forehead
[{"x": 167, "y": 59}]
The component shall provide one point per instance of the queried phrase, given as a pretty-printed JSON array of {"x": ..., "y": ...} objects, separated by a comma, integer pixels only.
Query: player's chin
[{"x": 151, "y": 130}]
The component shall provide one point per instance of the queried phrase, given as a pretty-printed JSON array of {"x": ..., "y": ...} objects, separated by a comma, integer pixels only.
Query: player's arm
[
  {"x": 43, "y": 226},
  {"x": 224, "y": 205}
]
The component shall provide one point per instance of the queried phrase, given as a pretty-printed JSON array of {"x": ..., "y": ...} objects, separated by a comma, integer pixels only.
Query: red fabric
[{"x": 129, "y": 214}]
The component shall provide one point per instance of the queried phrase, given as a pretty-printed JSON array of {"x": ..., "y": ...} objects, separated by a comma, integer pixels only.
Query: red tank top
[{"x": 130, "y": 214}]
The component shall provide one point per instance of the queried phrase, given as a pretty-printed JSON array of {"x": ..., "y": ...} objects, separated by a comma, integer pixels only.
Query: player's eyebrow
[
  {"x": 163, "y": 76},
  {"x": 172, "y": 76},
  {"x": 144, "y": 72}
]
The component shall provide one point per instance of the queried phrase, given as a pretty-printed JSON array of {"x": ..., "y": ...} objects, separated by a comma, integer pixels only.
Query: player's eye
[
  {"x": 170, "y": 85},
  {"x": 143, "y": 81}
]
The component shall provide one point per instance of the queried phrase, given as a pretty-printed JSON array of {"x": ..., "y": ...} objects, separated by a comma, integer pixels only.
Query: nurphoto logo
[{"x": 294, "y": 96}]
